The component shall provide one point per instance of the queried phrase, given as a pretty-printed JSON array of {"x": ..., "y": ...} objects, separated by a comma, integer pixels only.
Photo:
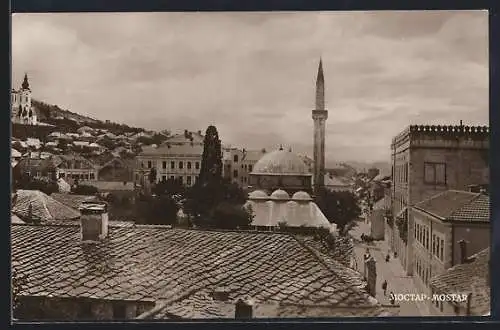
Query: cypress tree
[{"x": 211, "y": 162}]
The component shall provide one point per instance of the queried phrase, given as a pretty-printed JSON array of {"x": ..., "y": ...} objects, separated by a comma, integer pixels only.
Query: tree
[
  {"x": 230, "y": 216},
  {"x": 211, "y": 162},
  {"x": 152, "y": 175},
  {"x": 373, "y": 172},
  {"x": 169, "y": 187},
  {"x": 82, "y": 189},
  {"x": 339, "y": 207},
  {"x": 158, "y": 210}
]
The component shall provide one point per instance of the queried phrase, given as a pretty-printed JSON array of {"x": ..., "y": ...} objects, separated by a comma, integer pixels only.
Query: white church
[{"x": 22, "y": 112}]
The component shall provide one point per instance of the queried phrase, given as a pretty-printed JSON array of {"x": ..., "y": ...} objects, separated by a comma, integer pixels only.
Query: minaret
[{"x": 319, "y": 116}]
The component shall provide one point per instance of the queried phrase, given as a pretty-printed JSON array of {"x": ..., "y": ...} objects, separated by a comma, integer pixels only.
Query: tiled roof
[
  {"x": 252, "y": 155},
  {"x": 154, "y": 262},
  {"x": 15, "y": 219},
  {"x": 455, "y": 205},
  {"x": 43, "y": 206},
  {"x": 380, "y": 204},
  {"x": 72, "y": 200},
  {"x": 173, "y": 149},
  {"x": 468, "y": 278}
]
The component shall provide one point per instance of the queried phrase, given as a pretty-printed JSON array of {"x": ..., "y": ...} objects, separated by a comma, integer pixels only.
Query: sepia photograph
[{"x": 179, "y": 166}]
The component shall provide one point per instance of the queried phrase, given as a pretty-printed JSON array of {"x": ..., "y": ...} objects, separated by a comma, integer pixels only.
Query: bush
[
  {"x": 230, "y": 216},
  {"x": 82, "y": 189}
]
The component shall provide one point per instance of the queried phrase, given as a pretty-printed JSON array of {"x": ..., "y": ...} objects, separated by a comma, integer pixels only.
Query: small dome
[
  {"x": 280, "y": 194},
  {"x": 258, "y": 194},
  {"x": 301, "y": 196},
  {"x": 281, "y": 162}
]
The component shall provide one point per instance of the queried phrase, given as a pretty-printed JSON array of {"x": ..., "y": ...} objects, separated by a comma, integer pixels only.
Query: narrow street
[{"x": 391, "y": 271}]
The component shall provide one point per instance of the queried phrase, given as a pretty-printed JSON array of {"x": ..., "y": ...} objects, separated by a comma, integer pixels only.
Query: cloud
[{"x": 253, "y": 74}]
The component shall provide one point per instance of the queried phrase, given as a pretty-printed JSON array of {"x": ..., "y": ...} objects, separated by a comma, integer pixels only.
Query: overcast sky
[{"x": 253, "y": 74}]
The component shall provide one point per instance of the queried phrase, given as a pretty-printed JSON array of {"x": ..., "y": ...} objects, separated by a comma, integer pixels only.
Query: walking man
[{"x": 384, "y": 287}]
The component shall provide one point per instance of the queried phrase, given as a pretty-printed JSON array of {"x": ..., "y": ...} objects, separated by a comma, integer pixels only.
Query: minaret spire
[
  {"x": 319, "y": 116},
  {"x": 320, "y": 87}
]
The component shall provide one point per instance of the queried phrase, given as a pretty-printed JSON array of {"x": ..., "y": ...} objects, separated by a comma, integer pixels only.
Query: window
[
  {"x": 188, "y": 165},
  {"x": 242, "y": 166},
  {"x": 441, "y": 252},
  {"x": 172, "y": 165},
  {"x": 164, "y": 178},
  {"x": 164, "y": 164},
  {"x": 85, "y": 310},
  {"x": 150, "y": 164},
  {"x": 172, "y": 177},
  {"x": 142, "y": 164},
  {"x": 92, "y": 176},
  {"x": 435, "y": 173},
  {"x": 197, "y": 165},
  {"x": 235, "y": 173},
  {"x": 235, "y": 158},
  {"x": 119, "y": 311},
  {"x": 433, "y": 244},
  {"x": 86, "y": 176},
  {"x": 180, "y": 180},
  {"x": 427, "y": 238},
  {"x": 436, "y": 252},
  {"x": 250, "y": 168},
  {"x": 181, "y": 165},
  {"x": 188, "y": 180}
]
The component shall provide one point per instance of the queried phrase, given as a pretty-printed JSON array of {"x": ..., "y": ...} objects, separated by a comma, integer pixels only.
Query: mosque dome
[
  {"x": 281, "y": 162},
  {"x": 280, "y": 195},
  {"x": 301, "y": 196},
  {"x": 258, "y": 194}
]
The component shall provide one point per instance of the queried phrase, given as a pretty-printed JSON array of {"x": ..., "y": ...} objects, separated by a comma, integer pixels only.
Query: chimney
[
  {"x": 221, "y": 294},
  {"x": 93, "y": 221},
  {"x": 243, "y": 309},
  {"x": 463, "y": 251}
]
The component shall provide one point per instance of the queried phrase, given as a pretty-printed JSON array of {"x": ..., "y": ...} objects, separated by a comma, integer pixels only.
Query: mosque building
[{"x": 282, "y": 183}]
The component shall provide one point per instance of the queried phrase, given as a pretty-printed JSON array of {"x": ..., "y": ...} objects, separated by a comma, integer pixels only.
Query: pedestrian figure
[
  {"x": 387, "y": 257},
  {"x": 395, "y": 254},
  {"x": 367, "y": 254},
  {"x": 393, "y": 301},
  {"x": 384, "y": 287}
]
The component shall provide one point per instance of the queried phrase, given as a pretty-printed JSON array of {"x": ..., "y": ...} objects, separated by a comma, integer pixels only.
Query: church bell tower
[{"x": 319, "y": 116}]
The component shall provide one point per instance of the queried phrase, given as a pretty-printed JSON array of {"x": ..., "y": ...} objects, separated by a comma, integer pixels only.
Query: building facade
[
  {"x": 239, "y": 163},
  {"x": 22, "y": 111},
  {"x": 177, "y": 161},
  {"x": 427, "y": 160},
  {"x": 448, "y": 228}
]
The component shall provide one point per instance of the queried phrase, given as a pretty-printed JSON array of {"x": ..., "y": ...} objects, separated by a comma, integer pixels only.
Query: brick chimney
[
  {"x": 243, "y": 309},
  {"x": 463, "y": 251},
  {"x": 93, "y": 221}
]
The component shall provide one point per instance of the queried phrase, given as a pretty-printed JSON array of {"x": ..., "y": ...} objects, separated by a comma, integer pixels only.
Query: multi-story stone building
[
  {"x": 178, "y": 161},
  {"x": 448, "y": 229},
  {"x": 22, "y": 112},
  {"x": 239, "y": 163},
  {"x": 427, "y": 160}
]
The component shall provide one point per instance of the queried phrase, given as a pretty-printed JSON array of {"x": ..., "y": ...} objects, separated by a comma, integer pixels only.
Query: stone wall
[{"x": 71, "y": 309}]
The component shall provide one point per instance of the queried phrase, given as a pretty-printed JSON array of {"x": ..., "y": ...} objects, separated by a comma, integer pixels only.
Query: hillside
[{"x": 69, "y": 121}]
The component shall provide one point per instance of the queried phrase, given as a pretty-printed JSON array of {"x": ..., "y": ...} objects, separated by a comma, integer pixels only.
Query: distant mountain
[{"x": 384, "y": 167}]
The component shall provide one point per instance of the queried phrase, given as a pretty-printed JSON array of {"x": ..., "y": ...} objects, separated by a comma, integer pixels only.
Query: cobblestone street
[{"x": 391, "y": 271}]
